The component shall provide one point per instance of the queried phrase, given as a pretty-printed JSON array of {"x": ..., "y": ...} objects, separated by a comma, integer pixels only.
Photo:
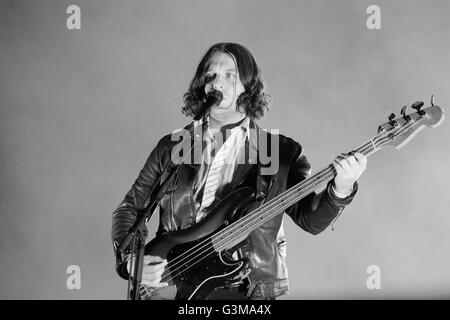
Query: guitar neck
[{"x": 277, "y": 205}]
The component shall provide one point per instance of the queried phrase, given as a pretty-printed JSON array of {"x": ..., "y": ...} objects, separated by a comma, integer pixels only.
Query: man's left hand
[{"x": 348, "y": 169}]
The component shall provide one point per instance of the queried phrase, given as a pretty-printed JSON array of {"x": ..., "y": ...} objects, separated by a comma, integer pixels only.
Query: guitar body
[{"x": 195, "y": 265}]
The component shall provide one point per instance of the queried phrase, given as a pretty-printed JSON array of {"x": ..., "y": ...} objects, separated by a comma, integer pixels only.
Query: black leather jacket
[{"x": 266, "y": 246}]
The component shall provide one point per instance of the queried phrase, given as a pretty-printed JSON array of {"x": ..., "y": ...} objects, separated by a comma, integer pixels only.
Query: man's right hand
[{"x": 152, "y": 270}]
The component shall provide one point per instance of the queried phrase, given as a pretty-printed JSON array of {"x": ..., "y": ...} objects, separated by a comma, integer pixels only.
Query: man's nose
[{"x": 218, "y": 84}]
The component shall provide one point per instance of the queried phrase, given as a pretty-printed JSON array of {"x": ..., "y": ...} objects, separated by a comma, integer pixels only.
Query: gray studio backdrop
[{"x": 82, "y": 109}]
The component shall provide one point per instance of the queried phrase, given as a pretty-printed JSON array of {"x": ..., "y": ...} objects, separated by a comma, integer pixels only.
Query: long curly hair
[{"x": 253, "y": 101}]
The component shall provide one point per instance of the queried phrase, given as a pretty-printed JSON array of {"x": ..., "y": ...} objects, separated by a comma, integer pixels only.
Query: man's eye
[
  {"x": 210, "y": 77},
  {"x": 230, "y": 75}
]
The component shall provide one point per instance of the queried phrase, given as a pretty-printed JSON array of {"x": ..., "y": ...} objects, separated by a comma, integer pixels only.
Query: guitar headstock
[{"x": 398, "y": 132}]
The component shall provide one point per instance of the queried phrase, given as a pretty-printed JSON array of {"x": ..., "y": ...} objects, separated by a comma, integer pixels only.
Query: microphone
[{"x": 213, "y": 99}]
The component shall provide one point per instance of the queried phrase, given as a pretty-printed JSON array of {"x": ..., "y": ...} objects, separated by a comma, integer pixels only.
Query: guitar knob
[
  {"x": 417, "y": 105},
  {"x": 261, "y": 196}
]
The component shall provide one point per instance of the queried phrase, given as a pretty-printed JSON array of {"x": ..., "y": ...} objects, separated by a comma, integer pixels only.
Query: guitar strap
[{"x": 166, "y": 182}]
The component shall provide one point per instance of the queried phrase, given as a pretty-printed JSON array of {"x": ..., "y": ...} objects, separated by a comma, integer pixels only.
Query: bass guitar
[{"x": 200, "y": 257}]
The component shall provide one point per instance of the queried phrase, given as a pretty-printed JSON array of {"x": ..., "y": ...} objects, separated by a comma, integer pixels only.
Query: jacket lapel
[{"x": 252, "y": 158}]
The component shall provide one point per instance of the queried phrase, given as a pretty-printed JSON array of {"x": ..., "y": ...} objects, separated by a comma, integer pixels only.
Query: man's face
[{"x": 224, "y": 78}]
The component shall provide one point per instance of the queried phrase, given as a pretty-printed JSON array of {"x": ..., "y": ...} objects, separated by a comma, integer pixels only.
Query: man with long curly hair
[{"x": 226, "y": 150}]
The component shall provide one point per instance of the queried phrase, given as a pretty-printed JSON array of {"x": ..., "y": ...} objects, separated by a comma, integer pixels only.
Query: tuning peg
[
  {"x": 391, "y": 117},
  {"x": 417, "y": 105},
  {"x": 403, "y": 111}
]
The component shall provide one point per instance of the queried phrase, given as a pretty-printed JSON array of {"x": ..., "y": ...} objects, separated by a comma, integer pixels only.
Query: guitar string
[
  {"x": 274, "y": 199},
  {"x": 209, "y": 249},
  {"x": 311, "y": 179},
  {"x": 270, "y": 208},
  {"x": 368, "y": 152},
  {"x": 276, "y": 207},
  {"x": 363, "y": 149},
  {"x": 294, "y": 189},
  {"x": 207, "y": 246},
  {"x": 265, "y": 217},
  {"x": 289, "y": 204}
]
